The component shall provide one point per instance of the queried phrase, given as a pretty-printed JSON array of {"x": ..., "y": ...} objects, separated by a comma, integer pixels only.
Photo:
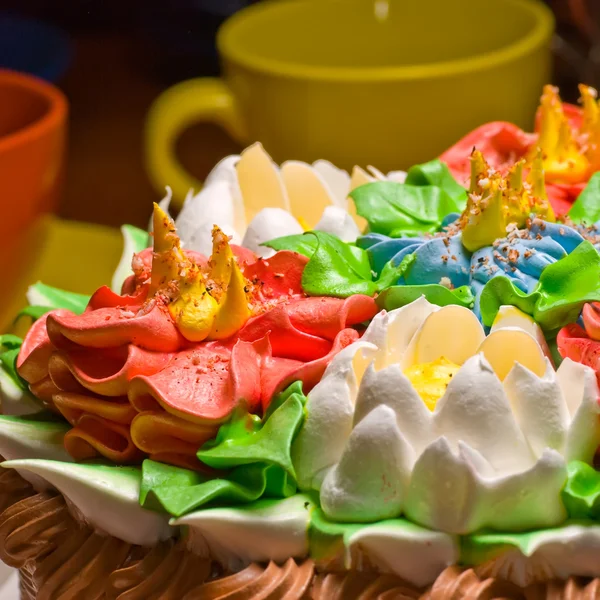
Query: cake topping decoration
[
  {"x": 564, "y": 161},
  {"x": 497, "y": 202},
  {"x": 210, "y": 303}
]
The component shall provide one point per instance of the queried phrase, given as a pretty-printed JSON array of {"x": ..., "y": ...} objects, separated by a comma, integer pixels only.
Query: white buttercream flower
[
  {"x": 428, "y": 417},
  {"x": 253, "y": 200}
]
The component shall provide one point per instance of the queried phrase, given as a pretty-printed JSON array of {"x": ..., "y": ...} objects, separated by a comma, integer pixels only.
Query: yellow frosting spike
[
  {"x": 563, "y": 161},
  {"x": 210, "y": 305},
  {"x": 194, "y": 310},
  {"x": 495, "y": 202},
  {"x": 536, "y": 192},
  {"x": 430, "y": 380},
  {"x": 233, "y": 310},
  {"x": 228, "y": 286},
  {"x": 590, "y": 128},
  {"x": 168, "y": 260}
]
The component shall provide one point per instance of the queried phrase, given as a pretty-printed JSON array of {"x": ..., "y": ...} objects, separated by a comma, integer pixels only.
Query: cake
[{"x": 287, "y": 394}]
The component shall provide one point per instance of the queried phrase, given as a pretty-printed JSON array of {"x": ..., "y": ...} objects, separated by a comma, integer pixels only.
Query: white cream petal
[
  {"x": 583, "y": 436},
  {"x": 106, "y": 496},
  {"x": 539, "y": 407},
  {"x": 397, "y": 176},
  {"x": 225, "y": 170},
  {"x": 575, "y": 383},
  {"x": 447, "y": 492},
  {"x": 337, "y": 180},
  {"x": 376, "y": 173},
  {"x": 443, "y": 494},
  {"x": 24, "y": 438},
  {"x": 259, "y": 532},
  {"x": 475, "y": 410},
  {"x": 415, "y": 554},
  {"x": 507, "y": 346},
  {"x": 308, "y": 192},
  {"x": 212, "y": 206},
  {"x": 369, "y": 482},
  {"x": 15, "y": 401},
  {"x": 551, "y": 554},
  {"x": 401, "y": 326},
  {"x": 268, "y": 224},
  {"x": 260, "y": 182},
  {"x": 337, "y": 221},
  {"x": 453, "y": 332},
  {"x": 392, "y": 388},
  {"x": 328, "y": 424},
  {"x": 376, "y": 332},
  {"x": 526, "y": 500}
]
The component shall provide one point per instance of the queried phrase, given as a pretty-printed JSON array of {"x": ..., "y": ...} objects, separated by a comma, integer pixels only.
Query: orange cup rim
[{"x": 54, "y": 116}]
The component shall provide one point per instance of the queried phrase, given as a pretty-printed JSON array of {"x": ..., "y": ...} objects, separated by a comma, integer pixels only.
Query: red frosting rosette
[
  {"x": 582, "y": 344},
  {"x": 130, "y": 384},
  {"x": 565, "y": 133}
]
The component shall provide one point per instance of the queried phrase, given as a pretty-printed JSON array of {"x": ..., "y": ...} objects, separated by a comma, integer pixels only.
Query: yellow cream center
[{"x": 431, "y": 379}]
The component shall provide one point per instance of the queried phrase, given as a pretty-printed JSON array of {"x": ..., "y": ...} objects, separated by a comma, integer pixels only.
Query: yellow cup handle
[{"x": 176, "y": 109}]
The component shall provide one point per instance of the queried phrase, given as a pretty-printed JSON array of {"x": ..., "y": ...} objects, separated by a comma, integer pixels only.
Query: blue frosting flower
[
  {"x": 521, "y": 256},
  {"x": 436, "y": 258}
]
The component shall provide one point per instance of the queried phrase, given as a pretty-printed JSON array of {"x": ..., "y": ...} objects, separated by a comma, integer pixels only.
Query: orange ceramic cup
[{"x": 33, "y": 124}]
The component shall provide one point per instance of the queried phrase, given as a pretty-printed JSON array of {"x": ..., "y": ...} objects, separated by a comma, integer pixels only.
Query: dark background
[{"x": 125, "y": 52}]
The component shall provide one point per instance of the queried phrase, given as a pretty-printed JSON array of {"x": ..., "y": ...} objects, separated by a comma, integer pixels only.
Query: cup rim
[
  {"x": 229, "y": 49},
  {"x": 56, "y": 113}
]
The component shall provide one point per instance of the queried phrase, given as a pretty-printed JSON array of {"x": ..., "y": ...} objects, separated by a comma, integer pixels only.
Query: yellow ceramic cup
[{"x": 384, "y": 82}]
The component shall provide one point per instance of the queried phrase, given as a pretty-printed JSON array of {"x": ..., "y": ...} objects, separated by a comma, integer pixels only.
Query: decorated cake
[{"x": 311, "y": 384}]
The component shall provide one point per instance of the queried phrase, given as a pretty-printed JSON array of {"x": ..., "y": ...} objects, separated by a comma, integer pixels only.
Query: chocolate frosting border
[{"x": 61, "y": 558}]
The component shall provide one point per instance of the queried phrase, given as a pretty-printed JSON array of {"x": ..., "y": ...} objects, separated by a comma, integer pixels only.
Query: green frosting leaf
[
  {"x": 332, "y": 543},
  {"x": 134, "y": 240},
  {"x": 436, "y": 173},
  {"x": 256, "y": 452},
  {"x": 581, "y": 494},
  {"x": 413, "y": 208},
  {"x": 586, "y": 209},
  {"x": 246, "y": 439},
  {"x": 341, "y": 270},
  {"x": 33, "y": 312},
  {"x": 400, "y": 295},
  {"x": 40, "y": 294},
  {"x": 11, "y": 345},
  {"x": 179, "y": 491},
  {"x": 484, "y": 546},
  {"x": 10, "y": 341},
  {"x": 564, "y": 287},
  {"x": 401, "y": 210},
  {"x": 301, "y": 243}
]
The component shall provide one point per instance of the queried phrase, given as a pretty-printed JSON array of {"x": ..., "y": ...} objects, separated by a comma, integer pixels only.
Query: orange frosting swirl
[{"x": 288, "y": 582}]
